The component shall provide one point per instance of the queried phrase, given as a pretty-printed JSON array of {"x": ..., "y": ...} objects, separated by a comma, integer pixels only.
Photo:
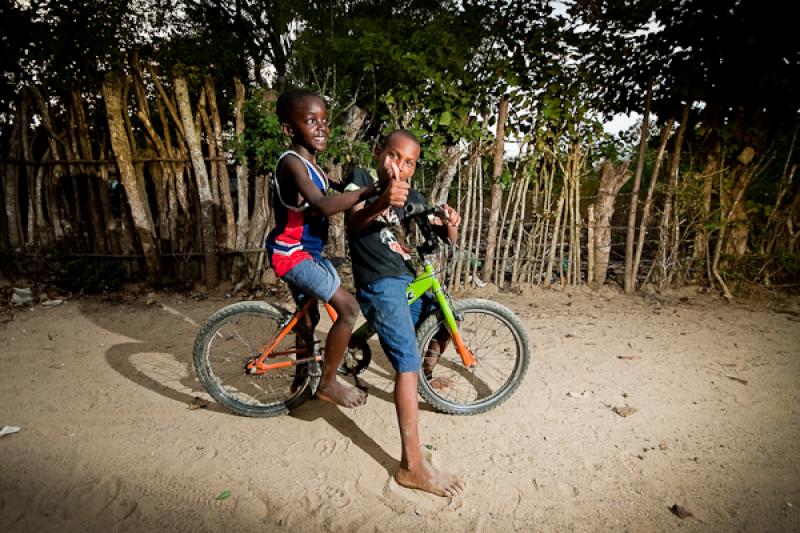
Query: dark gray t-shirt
[{"x": 378, "y": 251}]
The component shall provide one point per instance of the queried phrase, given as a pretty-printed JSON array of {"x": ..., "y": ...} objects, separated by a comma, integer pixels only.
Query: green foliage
[
  {"x": 357, "y": 153},
  {"x": 263, "y": 140},
  {"x": 439, "y": 69},
  {"x": 430, "y": 68},
  {"x": 789, "y": 262}
]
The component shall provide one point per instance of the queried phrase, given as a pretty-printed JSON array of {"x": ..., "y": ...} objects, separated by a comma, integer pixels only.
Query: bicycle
[{"x": 243, "y": 352}]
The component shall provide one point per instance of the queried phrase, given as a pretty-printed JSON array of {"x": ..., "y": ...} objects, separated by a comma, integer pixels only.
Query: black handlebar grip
[{"x": 416, "y": 209}]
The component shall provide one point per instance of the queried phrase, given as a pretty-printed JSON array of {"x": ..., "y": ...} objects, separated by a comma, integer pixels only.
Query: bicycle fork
[{"x": 452, "y": 326}]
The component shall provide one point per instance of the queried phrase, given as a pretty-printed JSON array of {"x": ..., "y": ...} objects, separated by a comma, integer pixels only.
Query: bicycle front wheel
[
  {"x": 500, "y": 345},
  {"x": 231, "y": 338}
]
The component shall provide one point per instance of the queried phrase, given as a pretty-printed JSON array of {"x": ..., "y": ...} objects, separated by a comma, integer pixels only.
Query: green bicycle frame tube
[{"x": 426, "y": 281}]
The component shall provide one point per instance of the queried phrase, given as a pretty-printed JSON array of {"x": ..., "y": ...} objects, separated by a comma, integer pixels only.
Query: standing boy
[
  {"x": 302, "y": 207},
  {"x": 382, "y": 271}
]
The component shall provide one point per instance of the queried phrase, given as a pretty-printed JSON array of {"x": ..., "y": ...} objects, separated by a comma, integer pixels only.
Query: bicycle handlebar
[
  {"x": 420, "y": 212},
  {"x": 421, "y": 208}
]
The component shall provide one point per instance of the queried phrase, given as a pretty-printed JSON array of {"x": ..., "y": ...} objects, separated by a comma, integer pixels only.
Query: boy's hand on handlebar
[{"x": 450, "y": 216}]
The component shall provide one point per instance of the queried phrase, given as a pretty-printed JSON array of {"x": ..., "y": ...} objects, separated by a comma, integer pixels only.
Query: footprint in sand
[
  {"x": 557, "y": 491},
  {"x": 505, "y": 500},
  {"x": 12, "y": 508},
  {"x": 336, "y": 497},
  {"x": 122, "y": 509},
  {"x": 325, "y": 497},
  {"x": 325, "y": 447},
  {"x": 568, "y": 490},
  {"x": 204, "y": 452},
  {"x": 503, "y": 460},
  {"x": 81, "y": 501}
]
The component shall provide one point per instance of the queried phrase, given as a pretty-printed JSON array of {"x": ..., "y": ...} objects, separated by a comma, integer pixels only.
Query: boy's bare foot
[
  {"x": 341, "y": 394},
  {"x": 430, "y": 479}
]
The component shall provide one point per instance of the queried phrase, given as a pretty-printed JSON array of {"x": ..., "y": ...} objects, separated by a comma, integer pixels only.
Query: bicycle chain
[{"x": 271, "y": 376}]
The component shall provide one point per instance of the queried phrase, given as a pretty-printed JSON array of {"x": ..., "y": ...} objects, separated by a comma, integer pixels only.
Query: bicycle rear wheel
[
  {"x": 231, "y": 338},
  {"x": 499, "y": 343}
]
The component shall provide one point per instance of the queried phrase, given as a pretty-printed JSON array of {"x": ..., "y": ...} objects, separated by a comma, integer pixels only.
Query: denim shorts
[
  {"x": 383, "y": 302},
  {"x": 316, "y": 278}
]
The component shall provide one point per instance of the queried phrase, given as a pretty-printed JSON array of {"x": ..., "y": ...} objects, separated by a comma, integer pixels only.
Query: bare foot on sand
[
  {"x": 431, "y": 480},
  {"x": 341, "y": 394}
]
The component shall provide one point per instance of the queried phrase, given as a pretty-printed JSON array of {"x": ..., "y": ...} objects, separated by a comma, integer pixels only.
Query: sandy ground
[{"x": 101, "y": 390}]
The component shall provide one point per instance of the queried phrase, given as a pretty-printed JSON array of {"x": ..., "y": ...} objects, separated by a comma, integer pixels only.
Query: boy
[
  {"x": 382, "y": 272},
  {"x": 295, "y": 245}
]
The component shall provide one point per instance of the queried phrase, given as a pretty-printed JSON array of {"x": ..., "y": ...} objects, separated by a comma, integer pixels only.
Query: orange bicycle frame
[{"x": 257, "y": 364}]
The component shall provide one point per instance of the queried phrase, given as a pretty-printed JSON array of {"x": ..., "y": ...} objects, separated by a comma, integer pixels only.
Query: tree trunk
[
  {"x": 451, "y": 155},
  {"x": 111, "y": 224},
  {"x": 161, "y": 172},
  {"x": 611, "y": 181},
  {"x": 466, "y": 210},
  {"x": 85, "y": 150},
  {"x": 742, "y": 176},
  {"x": 222, "y": 166},
  {"x": 590, "y": 246},
  {"x": 479, "y": 217},
  {"x": 173, "y": 175},
  {"x": 167, "y": 101},
  {"x": 787, "y": 178},
  {"x": 648, "y": 203},
  {"x": 53, "y": 208},
  {"x": 203, "y": 125},
  {"x": 25, "y": 148},
  {"x": 201, "y": 176},
  {"x": 516, "y": 266},
  {"x": 55, "y": 142},
  {"x": 353, "y": 121},
  {"x": 135, "y": 194},
  {"x": 502, "y": 227},
  {"x": 630, "y": 275},
  {"x": 497, "y": 191},
  {"x": 548, "y": 274},
  {"x": 674, "y": 170},
  {"x": 521, "y": 186},
  {"x": 242, "y": 185},
  {"x": 258, "y": 223},
  {"x": 544, "y": 222},
  {"x": 701, "y": 237}
]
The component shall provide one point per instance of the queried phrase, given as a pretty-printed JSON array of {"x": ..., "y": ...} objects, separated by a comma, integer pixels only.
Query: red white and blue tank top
[{"x": 300, "y": 232}]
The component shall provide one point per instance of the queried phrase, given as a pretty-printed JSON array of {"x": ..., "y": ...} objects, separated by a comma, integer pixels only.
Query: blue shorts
[
  {"x": 384, "y": 304},
  {"x": 316, "y": 278}
]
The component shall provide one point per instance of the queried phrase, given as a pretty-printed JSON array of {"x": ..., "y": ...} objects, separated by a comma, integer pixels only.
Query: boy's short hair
[
  {"x": 383, "y": 142},
  {"x": 289, "y": 98}
]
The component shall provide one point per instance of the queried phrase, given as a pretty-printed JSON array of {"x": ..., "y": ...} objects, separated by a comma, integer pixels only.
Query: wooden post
[
  {"x": 201, "y": 176},
  {"x": 497, "y": 192}
]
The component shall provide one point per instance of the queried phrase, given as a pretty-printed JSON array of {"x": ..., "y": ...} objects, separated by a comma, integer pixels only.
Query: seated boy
[
  {"x": 382, "y": 272},
  {"x": 302, "y": 206}
]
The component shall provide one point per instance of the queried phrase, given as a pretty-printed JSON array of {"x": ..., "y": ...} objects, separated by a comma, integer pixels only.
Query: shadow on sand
[{"x": 160, "y": 360}]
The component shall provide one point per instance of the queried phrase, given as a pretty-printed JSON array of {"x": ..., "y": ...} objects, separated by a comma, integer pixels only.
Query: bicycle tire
[
  {"x": 497, "y": 339},
  {"x": 232, "y": 337}
]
